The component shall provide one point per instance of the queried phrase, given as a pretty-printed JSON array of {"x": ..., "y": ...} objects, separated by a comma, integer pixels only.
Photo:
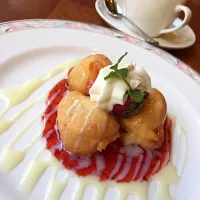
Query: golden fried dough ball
[
  {"x": 146, "y": 126},
  {"x": 86, "y": 70},
  {"x": 84, "y": 128}
]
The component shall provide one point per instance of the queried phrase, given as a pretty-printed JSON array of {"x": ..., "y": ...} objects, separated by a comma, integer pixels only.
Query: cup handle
[{"x": 188, "y": 15}]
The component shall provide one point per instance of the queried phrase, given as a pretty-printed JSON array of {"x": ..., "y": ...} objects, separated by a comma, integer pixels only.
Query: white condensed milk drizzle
[{"x": 34, "y": 164}]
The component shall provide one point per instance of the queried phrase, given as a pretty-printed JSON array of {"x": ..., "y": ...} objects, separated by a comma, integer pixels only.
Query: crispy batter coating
[
  {"x": 146, "y": 127},
  {"x": 86, "y": 70},
  {"x": 84, "y": 128}
]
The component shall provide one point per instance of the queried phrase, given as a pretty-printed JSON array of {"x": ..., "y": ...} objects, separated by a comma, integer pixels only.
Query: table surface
[{"x": 84, "y": 11}]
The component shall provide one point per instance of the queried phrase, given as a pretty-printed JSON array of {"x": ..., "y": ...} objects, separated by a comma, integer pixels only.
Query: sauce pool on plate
[{"x": 119, "y": 163}]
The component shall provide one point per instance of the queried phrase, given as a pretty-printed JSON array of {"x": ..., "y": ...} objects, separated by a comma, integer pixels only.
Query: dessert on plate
[{"x": 108, "y": 121}]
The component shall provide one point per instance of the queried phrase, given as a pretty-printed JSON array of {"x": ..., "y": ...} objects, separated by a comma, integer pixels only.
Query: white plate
[
  {"x": 180, "y": 39},
  {"x": 29, "y": 48}
]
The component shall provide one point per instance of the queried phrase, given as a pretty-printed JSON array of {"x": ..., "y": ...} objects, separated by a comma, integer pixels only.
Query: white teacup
[{"x": 155, "y": 17}]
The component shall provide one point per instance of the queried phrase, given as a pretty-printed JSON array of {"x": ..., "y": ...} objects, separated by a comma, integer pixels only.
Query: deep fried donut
[
  {"x": 146, "y": 127},
  {"x": 86, "y": 70},
  {"x": 85, "y": 128}
]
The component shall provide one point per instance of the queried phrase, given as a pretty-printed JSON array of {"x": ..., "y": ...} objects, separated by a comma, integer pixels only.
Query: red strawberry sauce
[{"x": 123, "y": 164}]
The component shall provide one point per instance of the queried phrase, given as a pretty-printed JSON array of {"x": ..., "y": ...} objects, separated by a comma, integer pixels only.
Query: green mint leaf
[
  {"x": 137, "y": 96},
  {"x": 115, "y": 66},
  {"x": 138, "y": 100},
  {"x": 123, "y": 72},
  {"x": 120, "y": 59},
  {"x": 110, "y": 75},
  {"x": 118, "y": 73},
  {"x": 146, "y": 94},
  {"x": 132, "y": 109}
]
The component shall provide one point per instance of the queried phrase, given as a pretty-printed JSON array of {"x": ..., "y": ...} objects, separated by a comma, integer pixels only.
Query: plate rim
[{"x": 27, "y": 24}]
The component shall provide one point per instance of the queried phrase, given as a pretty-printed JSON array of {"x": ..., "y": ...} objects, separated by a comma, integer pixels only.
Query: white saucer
[{"x": 180, "y": 39}]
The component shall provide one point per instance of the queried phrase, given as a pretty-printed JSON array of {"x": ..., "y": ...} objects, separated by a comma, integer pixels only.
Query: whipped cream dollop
[{"x": 107, "y": 93}]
